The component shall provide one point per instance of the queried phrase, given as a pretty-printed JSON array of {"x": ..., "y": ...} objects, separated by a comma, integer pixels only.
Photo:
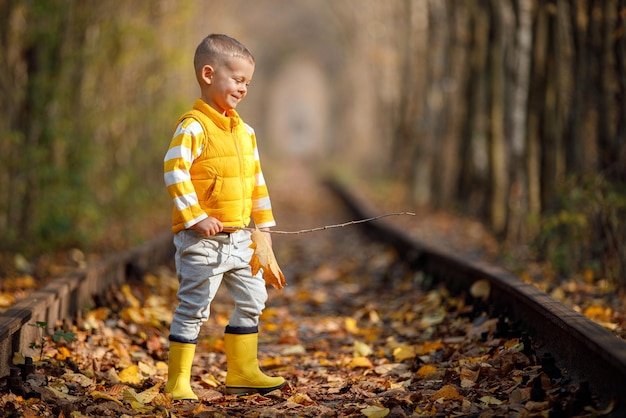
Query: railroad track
[
  {"x": 62, "y": 298},
  {"x": 587, "y": 351}
]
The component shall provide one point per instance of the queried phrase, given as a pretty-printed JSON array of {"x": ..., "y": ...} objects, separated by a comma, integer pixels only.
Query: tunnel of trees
[{"x": 511, "y": 111}]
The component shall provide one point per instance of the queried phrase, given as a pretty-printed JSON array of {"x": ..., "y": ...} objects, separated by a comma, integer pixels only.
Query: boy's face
[{"x": 227, "y": 84}]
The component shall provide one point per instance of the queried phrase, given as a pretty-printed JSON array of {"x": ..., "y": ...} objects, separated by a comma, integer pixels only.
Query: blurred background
[{"x": 512, "y": 112}]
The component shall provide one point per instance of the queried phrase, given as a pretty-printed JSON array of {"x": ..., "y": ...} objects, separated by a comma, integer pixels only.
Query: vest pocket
[{"x": 214, "y": 189}]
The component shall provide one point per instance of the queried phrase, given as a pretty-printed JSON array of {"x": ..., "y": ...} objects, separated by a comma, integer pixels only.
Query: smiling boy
[{"x": 213, "y": 175}]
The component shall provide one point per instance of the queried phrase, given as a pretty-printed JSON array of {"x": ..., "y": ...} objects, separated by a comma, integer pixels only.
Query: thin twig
[{"x": 322, "y": 228}]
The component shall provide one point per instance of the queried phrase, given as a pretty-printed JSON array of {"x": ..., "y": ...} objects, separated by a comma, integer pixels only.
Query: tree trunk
[
  {"x": 447, "y": 156},
  {"x": 519, "y": 208},
  {"x": 473, "y": 179},
  {"x": 497, "y": 148}
]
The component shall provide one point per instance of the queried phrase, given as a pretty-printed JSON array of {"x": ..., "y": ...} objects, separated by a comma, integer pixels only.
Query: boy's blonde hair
[{"x": 216, "y": 48}]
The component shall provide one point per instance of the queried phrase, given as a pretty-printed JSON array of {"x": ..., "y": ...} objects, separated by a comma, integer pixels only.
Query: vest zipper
[{"x": 242, "y": 177}]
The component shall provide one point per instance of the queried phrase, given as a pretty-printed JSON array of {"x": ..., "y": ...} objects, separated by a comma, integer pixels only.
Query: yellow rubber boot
[
  {"x": 179, "y": 371},
  {"x": 243, "y": 374}
]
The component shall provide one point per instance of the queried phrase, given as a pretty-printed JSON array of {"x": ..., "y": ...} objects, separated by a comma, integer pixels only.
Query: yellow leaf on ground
[
  {"x": 430, "y": 346},
  {"x": 147, "y": 369},
  {"x": 327, "y": 363},
  {"x": 300, "y": 398},
  {"x": 263, "y": 258},
  {"x": 293, "y": 349},
  {"x": 121, "y": 350},
  {"x": 272, "y": 362},
  {"x": 599, "y": 313},
  {"x": 130, "y": 396},
  {"x": 426, "y": 370},
  {"x": 374, "y": 411},
  {"x": 404, "y": 352},
  {"x": 490, "y": 400},
  {"x": 6, "y": 300},
  {"x": 23, "y": 282},
  {"x": 161, "y": 367},
  {"x": 63, "y": 353},
  {"x": 360, "y": 362},
  {"x": 351, "y": 325},
  {"x": 134, "y": 315},
  {"x": 130, "y": 375},
  {"x": 361, "y": 349},
  {"x": 162, "y": 399},
  {"x": 145, "y": 397},
  {"x": 209, "y": 380},
  {"x": 446, "y": 392},
  {"x": 96, "y": 394},
  {"x": 130, "y": 298}
]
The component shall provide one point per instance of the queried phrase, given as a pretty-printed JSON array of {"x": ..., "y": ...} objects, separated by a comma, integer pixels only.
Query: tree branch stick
[{"x": 322, "y": 228}]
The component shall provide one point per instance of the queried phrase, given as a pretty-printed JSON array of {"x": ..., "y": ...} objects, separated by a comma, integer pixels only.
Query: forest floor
[
  {"x": 353, "y": 334},
  {"x": 451, "y": 233}
]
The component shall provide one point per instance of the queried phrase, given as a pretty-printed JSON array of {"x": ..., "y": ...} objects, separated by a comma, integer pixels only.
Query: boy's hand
[{"x": 209, "y": 226}]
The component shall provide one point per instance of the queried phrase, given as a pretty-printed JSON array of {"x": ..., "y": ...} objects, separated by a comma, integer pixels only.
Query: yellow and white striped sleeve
[
  {"x": 261, "y": 204},
  {"x": 186, "y": 145}
]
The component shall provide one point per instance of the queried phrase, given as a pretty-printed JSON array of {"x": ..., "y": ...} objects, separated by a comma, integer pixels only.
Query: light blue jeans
[{"x": 202, "y": 264}]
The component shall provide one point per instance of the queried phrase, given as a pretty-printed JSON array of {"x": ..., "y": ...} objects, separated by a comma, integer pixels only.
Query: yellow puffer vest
[{"x": 223, "y": 174}]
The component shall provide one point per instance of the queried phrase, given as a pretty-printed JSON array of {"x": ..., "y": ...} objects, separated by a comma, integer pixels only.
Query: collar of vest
[{"x": 224, "y": 122}]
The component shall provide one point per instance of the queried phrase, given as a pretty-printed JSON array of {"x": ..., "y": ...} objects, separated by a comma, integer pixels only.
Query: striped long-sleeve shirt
[{"x": 212, "y": 168}]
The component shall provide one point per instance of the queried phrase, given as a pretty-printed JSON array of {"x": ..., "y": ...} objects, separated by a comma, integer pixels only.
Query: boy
[{"x": 214, "y": 177}]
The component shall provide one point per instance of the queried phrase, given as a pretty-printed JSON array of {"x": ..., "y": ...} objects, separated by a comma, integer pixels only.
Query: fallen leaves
[
  {"x": 426, "y": 371},
  {"x": 130, "y": 375},
  {"x": 333, "y": 368},
  {"x": 13, "y": 289},
  {"x": 352, "y": 337},
  {"x": 300, "y": 398},
  {"x": 447, "y": 392},
  {"x": 96, "y": 394},
  {"x": 375, "y": 411}
]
